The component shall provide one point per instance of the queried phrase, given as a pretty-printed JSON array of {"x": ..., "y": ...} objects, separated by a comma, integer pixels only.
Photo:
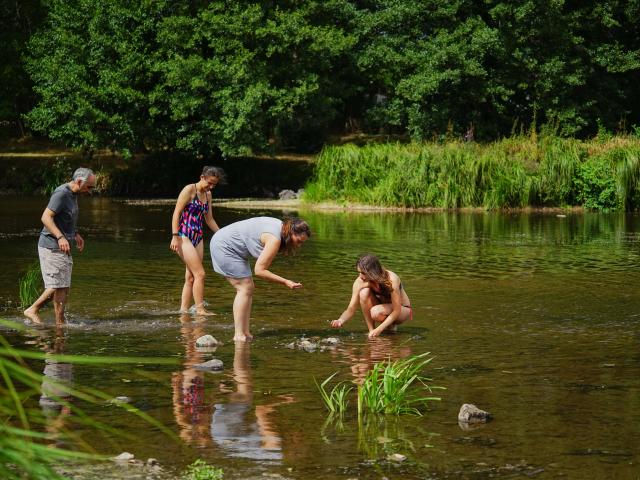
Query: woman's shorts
[
  {"x": 228, "y": 263},
  {"x": 56, "y": 267}
]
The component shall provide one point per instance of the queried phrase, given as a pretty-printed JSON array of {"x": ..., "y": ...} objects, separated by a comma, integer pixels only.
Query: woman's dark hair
[
  {"x": 370, "y": 266},
  {"x": 211, "y": 171},
  {"x": 289, "y": 227}
]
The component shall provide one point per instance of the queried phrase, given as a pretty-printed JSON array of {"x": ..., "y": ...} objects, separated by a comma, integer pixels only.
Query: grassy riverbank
[{"x": 524, "y": 171}]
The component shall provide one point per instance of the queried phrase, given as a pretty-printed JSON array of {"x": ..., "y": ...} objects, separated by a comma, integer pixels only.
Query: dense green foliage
[
  {"x": 515, "y": 172},
  {"x": 211, "y": 77},
  {"x": 18, "y": 21}
]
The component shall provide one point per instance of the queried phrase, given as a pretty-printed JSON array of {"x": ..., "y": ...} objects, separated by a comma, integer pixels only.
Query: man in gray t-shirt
[{"x": 54, "y": 246}]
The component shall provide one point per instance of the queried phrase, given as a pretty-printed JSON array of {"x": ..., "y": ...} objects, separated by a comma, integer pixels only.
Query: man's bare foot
[
  {"x": 205, "y": 312},
  {"x": 32, "y": 315}
]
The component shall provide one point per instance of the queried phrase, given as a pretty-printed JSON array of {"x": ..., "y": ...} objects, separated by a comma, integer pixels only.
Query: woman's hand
[
  {"x": 337, "y": 323},
  {"x": 373, "y": 333},
  {"x": 176, "y": 243},
  {"x": 292, "y": 285}
]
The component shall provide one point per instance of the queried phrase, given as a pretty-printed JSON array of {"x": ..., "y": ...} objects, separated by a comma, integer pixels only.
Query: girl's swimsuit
[
  {"x": 191, "y": 220},
  {"x": 387, "y": 299}
]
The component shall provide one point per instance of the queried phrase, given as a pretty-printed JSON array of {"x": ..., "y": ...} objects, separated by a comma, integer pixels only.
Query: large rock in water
[
  {"x": 213, "y": 365},
  {"x": 471, "y": 414}
]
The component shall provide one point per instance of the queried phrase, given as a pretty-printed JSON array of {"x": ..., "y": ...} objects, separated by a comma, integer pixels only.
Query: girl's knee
[
  {"x": 378, "y": 313},
  {"x": 364, "y": 294}
]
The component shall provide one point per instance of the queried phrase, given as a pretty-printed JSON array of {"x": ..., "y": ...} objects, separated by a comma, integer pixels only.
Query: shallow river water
[{"x": 532, "y": 317}]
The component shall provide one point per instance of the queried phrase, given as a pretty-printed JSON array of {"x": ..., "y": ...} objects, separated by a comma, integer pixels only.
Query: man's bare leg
[
  {"x": 59, "y": 302},
  {"x": 32, "y": 313}
]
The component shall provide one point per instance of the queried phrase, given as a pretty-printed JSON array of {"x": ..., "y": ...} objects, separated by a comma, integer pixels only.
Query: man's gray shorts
[{"x": 56, "y": 268}]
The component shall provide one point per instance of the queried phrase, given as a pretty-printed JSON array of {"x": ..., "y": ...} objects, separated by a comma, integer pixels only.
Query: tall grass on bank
[
  {"x": 521, "y": 171},
  {"x": 29, "y": 285}
]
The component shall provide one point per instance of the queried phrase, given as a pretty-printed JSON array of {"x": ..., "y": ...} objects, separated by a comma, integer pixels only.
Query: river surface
[{"x": 532, "y": 317}]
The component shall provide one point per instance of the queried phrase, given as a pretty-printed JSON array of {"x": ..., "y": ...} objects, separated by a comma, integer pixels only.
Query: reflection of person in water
[
  {"x": 57, "y": 379},
  {"x": 363, "y": 358},
  {"x": 232, "y": 427},
  {"x": 189, "y": 406}
]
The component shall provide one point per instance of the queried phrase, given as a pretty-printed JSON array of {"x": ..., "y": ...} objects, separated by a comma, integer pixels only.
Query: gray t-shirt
[
  {"x": 232, "y": 245},
  {"x": 65, "y": 203}
]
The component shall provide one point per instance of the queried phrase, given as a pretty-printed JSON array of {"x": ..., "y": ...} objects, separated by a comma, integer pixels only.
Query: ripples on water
[{"x": 532, "y": 317}]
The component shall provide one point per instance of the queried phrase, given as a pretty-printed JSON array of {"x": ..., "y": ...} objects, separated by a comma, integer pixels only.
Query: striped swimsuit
[{"x": 191, "y": 220}]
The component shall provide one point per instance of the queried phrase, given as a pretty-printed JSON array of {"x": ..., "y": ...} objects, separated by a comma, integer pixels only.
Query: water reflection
[
  {"x": 362, "y": 357},
  {"x": 238, "y": 430},
  {"x": 57, "y": 381},
  {"x": 191, "y": 411}
]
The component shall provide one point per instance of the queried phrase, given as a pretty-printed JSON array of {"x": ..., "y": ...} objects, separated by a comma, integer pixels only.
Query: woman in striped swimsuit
[
  {"x": 193, "y": 208},
  {"x": 381, "y": 296}
]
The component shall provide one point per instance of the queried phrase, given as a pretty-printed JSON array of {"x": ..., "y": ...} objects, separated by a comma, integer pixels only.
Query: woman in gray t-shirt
[{"x": 261, "y": 238}]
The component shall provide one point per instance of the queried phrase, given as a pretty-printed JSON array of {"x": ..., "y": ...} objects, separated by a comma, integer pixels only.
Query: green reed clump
[
  {"x": 29, "y": 285},
  {"x": 396, "y": 387},
  {"x": 531, "y": 170},
  {"x": 337, "y": 399},
  {"x": 201, "y": 470}
]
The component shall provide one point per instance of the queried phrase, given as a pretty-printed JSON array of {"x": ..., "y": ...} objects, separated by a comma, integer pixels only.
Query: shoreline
[{"x": 297, "y": 204}]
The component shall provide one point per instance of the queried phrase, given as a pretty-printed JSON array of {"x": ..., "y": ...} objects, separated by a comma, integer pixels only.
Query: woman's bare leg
[
  {"x": 380, "y": 312},
  {"x": 192, "y": 257},
  {"x": 242, "y": 307},
  {"x": 367, "y": 302},
  {"x": 187, "y": 291}
]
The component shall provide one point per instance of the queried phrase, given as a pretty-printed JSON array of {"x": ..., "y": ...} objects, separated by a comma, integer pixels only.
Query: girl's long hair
[
  {"x": 372, "y": 269},
  {"x": 289, "y": 227}
]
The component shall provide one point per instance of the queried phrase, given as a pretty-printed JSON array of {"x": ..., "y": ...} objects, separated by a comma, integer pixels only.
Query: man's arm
[{"x": 47, "y": 221}]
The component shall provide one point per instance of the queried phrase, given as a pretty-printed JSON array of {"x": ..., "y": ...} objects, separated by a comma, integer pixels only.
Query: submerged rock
[
  {"x": 471, "y": 414},
  {"x": 312, "y": 344},
  {"x": 212, "y": 365},
  {"x": 207, "y": 341},
  {"x": 308, "y": 346},
  {"x": 121, "y": 399}
]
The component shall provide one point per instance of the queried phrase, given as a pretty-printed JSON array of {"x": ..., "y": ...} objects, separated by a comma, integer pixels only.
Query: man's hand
[
  {"x": 79, "y": 242},
  {"x": 63, "y": 245},
  {"x": 337, "y": 323}
]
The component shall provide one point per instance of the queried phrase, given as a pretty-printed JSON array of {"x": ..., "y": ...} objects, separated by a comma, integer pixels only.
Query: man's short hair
[{"x": 83, "y": 174}]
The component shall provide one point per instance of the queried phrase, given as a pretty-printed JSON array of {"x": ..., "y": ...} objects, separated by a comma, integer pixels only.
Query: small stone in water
[
  {"x": 207, "y": 341},
  {"x": 212, "y": 365},
  {"x": 397, "y": 457},
  {"x": 121, "y": 399},
  {"x": 471, "y": 414},
  {"x": 152, "y": 462},
  {"x": 124, "y": 457}
]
